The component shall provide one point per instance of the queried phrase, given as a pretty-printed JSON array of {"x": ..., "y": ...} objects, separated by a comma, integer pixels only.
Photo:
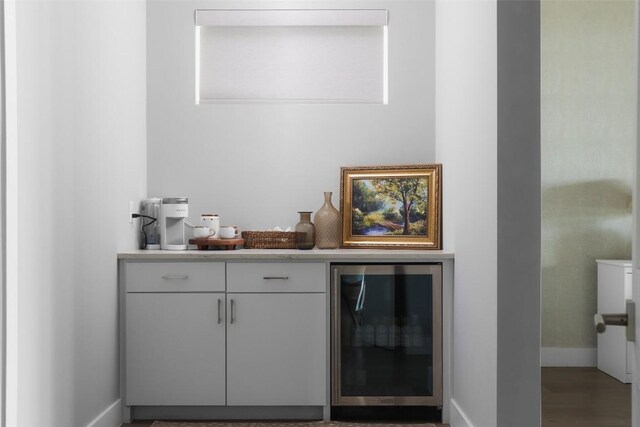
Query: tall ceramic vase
[{"x": 327, "y": 222}]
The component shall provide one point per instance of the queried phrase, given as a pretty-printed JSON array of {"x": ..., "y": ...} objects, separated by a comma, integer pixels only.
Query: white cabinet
[
  {"x": 615, "y": 354},
  {"x": 189, "y": 341},
  {"x": 176, "y": 277},
  {"x": 267, "y": 277},
  {"x": 175, "y": 349},
  {"x": 276, "y": 349},
  {"x": 276, "y": 334}
]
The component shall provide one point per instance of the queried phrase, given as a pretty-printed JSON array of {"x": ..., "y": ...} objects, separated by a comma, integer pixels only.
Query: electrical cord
[
  {"x": 135, "y": 215},
  {"x": 144, "y": 233}
]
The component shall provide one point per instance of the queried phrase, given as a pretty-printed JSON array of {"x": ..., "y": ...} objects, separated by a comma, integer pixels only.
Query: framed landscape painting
[{"x": 395, "y": 207}]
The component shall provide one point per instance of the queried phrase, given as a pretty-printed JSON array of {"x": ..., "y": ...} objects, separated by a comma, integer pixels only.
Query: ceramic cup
[
  {"x": 212, "y": 221},
  {"x": 201, "y": 232},
  {"x": 229, "y": 232}
]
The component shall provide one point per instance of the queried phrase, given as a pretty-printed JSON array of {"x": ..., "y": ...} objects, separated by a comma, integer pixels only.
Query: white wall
[
  {"x": 466, "y": 144},
  {"x": 82, "y": 156},
  {"x": 3, "y": 195},
  {"x": 487, "y": 137},
  {"x": 258, "y": 164}
]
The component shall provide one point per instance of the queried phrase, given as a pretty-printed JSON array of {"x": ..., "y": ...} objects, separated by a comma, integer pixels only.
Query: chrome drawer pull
[
  {"x": 231, "y": 314},
  {"x": 175, "y": 277},
  {"x": 276, "y": 277},
  {"x": 219, "y": 316}
]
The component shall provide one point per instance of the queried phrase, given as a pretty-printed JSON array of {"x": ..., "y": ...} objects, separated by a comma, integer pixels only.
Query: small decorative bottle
[
  {"x": 327, "y": 221},
  {"x": 357, "y": 336},
  {"x": 369, "y": 335},
  {"x": 305, "y": 232},
  {"x": 382, "y": 333},
  {"x": 405, "y": 333},
  {"x": 418, "y": 337},
  {"x": 394, "y": 336}
]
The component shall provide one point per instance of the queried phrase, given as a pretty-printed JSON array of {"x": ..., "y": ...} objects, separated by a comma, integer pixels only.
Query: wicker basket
[{"x": 269, "y": 239}]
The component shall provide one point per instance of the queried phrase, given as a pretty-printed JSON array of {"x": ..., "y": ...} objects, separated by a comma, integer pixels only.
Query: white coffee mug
[
  {"x": 229, "y": 232},
  {"x": 202, "y": 232},
  {"x": 212, "y": 221}
]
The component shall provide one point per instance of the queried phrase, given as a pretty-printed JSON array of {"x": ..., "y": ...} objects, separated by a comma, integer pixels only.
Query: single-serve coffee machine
[{"x": 173, "y": 214}]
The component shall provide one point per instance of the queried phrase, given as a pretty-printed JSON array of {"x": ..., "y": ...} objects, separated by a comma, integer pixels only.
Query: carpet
[{"x": 284, "y": 424}]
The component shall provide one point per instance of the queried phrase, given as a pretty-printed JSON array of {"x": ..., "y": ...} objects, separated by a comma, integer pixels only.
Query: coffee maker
[{"x": 173, "y": 214}]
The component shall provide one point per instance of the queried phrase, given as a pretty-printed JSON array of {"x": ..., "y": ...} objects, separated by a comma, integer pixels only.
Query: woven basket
[{"x": 269, "y": 239}]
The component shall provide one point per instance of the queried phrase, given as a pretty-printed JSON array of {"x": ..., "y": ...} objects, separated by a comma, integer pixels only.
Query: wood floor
[
  {"x": 571, "y": 397},
  {"x": 584, "y": 397}
]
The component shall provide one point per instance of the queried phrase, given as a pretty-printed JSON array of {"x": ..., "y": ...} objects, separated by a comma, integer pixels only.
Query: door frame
[{"x": 8, "y": 216}]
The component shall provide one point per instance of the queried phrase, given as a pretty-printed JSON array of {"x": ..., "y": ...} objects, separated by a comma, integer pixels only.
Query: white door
[
  {"x": 276, "y": 349},
  {"x": 175, "y": 349}
]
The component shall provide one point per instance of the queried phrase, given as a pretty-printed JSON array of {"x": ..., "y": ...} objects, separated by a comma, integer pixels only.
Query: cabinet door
[
  {"x": 175, "y": 349},
  {"x": 276, "y": 349}
]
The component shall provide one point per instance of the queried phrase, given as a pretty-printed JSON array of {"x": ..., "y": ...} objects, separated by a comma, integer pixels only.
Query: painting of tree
[
  {"x": 366, "y": 197},
  {"x": 391, "y": 206},
  {"x": 410, "y": 193}
]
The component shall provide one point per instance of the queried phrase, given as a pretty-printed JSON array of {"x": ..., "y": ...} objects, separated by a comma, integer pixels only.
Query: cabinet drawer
[
  {"x": 175, "y": 277},
  {"x": 276, "y": 277}
]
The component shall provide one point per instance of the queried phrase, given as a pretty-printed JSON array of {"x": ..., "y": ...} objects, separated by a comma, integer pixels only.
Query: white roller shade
[
  {"x": 278, "y": 18},
  {"x": 331, "y": 56}
]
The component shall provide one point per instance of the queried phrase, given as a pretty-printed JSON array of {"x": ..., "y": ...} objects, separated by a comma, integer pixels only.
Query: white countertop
[
  {"x": 312, "y": 254},
  {"x": 618, "y": 262}
]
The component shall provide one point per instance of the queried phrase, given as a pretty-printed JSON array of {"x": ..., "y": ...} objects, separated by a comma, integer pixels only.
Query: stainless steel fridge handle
[{"x": 336, "y": 338}]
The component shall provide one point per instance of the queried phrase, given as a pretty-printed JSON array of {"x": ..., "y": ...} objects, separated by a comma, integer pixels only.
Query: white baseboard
[
  {"x": 574, "y": 357},
  {"x": 110, "y": 417},
  {"x": 457, "y": 416}
]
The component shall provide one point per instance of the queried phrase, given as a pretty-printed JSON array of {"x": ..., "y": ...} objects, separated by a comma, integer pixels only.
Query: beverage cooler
[{"x": 386, "y": 327}]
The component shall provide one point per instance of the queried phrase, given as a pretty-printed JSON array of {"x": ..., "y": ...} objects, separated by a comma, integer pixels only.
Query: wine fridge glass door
[{"x": 387, "y": 335}]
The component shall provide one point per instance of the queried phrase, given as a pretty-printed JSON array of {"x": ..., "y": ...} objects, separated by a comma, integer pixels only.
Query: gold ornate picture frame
[{"x": 391, "y": 207}]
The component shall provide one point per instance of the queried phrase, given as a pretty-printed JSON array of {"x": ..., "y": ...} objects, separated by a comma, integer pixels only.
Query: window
[{"x": 323, "y": 56}]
